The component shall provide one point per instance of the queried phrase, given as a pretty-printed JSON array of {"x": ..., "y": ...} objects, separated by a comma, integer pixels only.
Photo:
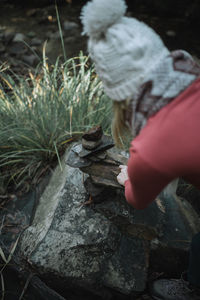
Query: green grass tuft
[{"x": 40, "y": 115}]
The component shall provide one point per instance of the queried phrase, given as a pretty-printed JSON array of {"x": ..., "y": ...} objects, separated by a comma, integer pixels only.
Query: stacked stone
[{"x": 91, "y": 157}]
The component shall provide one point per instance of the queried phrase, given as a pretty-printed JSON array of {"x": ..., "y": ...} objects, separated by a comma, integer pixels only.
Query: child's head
[{"x": 123, "y": 49}]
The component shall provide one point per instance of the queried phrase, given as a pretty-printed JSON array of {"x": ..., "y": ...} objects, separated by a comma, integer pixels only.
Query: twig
[{"x": 26, "y": 285}]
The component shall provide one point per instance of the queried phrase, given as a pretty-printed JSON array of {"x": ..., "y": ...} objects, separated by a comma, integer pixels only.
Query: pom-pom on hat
[{"x": 123, "y": 49}]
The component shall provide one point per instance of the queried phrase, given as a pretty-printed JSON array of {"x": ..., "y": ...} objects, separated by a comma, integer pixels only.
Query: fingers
[
  {"x": 120, "y": 179},
  {"x": 122, "y": 166},
  {"x": 122, "y": 176}
]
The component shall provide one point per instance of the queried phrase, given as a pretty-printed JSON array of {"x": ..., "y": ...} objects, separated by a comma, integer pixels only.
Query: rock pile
[{"x": 92, "y": 157}]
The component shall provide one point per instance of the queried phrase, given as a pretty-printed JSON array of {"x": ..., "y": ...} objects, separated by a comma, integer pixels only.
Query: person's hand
[{"x": 123, "y": 175}]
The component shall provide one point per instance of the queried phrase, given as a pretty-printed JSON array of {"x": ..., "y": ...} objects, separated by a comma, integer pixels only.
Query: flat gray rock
[{"x": 103, "y": 248}]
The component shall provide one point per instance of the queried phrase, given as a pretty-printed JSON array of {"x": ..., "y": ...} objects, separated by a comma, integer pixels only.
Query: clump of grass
[{"x": 42, "y": 114}]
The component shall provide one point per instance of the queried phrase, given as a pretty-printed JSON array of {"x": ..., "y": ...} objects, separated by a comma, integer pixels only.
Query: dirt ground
[{"x": 38, "y": 25}]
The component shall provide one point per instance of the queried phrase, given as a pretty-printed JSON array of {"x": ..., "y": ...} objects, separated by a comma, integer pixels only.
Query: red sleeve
[
  {"x": 166, "y": 148},
  {"x": 144, "y": 183}
]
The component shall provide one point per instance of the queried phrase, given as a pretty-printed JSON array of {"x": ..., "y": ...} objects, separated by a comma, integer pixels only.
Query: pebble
[
  {"x": 30, "y": 59},
  {"x": 171, "y": 33},
  {"x": 17, "y": 48},
  {"x": 67, "y": 25},
  {"x": 90, "y": 145},
  {"x": 31, "y": 34},
  {"x": 48, "y": 34},
  {"x": 19, "y": 37},
  {"x": 36, "y": 42},
  {"x": 31, "y": 12},
  {"x": 55, "y": 35},
  {"x": 94, "y": 134},
  {"x": 8, "y": 36},
  {"x": 2, "y": 48},
  {"x": 70, "y": 39}
]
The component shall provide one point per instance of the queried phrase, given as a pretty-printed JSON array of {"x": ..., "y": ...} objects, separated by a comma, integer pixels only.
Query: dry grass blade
[
  {"x": 25, "y": 286},
  {"x": 45, "y": 66},
  {"x": 7, "y": 82},
  {"x": 13, "y": 250},
  {"x": 3, "y": 255},
  {"x": 2, "y": 287},
  {"x": 4, "y": 67},
  {"x": 61, "y": 34},
  {"x": 3, "y": 218},
  {"x": 9, "y": 256},
  {"x": 58, "y": 156}
]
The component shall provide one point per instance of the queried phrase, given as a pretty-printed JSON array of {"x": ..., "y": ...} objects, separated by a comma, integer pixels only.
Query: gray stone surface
[
  {"x": 103, "y": 247},
  {"x": 30, "y": 59},
  {"x": 19, "y": 37},
  {"x": 68, "y": 26}
]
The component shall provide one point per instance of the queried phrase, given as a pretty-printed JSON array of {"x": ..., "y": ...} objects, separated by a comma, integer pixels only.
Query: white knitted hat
[{"x": 123, "y": 49}]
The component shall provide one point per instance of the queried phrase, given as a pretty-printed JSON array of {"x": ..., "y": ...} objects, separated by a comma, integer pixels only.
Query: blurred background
[{"x": 26, "y": 25}]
